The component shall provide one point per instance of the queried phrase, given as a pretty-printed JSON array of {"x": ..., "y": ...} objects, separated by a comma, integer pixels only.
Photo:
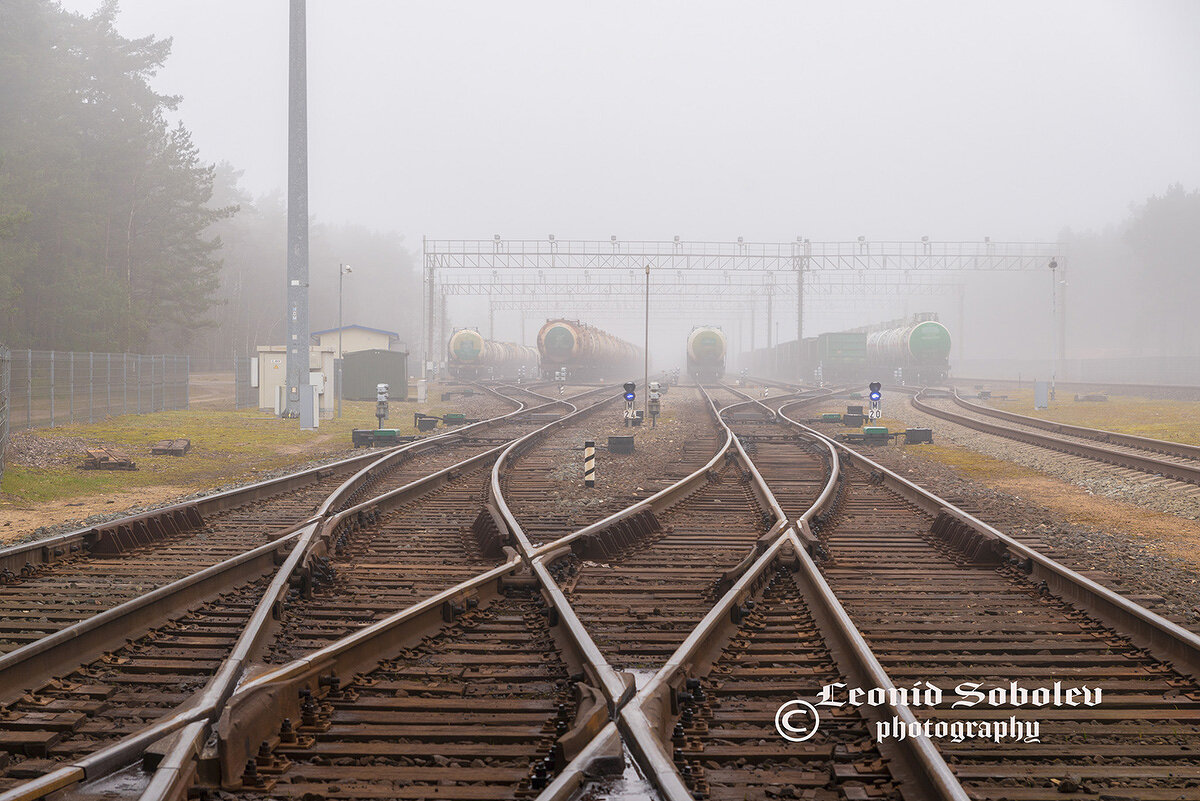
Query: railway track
[
  {"x": 82, "y": 714},
  {"x": 1166, "y": 461},
  {"x": 783, "y": 565},
  {"x": 940, "y": 597}
]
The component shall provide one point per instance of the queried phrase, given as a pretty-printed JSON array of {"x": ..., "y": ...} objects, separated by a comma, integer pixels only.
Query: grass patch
[
  {"x": 1171, "y": 420},
  {"x": 974, "y": 464},
  {"x": 227, "y": 447}
]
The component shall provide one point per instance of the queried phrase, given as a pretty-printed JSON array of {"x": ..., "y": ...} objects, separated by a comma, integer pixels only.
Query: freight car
[
  {"x": 920, "y": 351},
  {"x": 706, "y": 347},
  {"x": 915, "y": 351},
  {"x": 584, "y": 352},
  {"x": 472, "y": 356}
]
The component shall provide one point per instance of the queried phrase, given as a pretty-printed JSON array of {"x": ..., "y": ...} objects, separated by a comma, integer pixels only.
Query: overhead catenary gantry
[{"x": 606, "y": 274}]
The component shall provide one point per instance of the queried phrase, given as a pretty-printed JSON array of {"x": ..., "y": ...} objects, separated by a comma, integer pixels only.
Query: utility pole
[
  {"x": 646, "y": 352},
  {"x": 342, "y": 270},
  {"x": 297, "y": 237},
  {"x": 1053, "y": 324}
]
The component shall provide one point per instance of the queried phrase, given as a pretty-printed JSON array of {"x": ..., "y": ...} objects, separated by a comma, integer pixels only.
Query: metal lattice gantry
[{"x": 567, "y": 273}]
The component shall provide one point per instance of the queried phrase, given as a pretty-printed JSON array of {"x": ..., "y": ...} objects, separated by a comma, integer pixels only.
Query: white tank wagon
[
  {"x": 472, "y": 356},
  {"x": 923, "y": 348},
  {"x": 706, "y": 349},
  {"x": 585, "y": 352}
]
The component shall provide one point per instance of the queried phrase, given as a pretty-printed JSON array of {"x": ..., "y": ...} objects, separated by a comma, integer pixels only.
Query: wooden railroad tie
[
  {"x": 171, "y": 447},
  {"x": 107, "y": 459}
]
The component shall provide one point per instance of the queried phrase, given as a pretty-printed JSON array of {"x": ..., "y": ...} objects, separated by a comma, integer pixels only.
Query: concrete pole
[
  {"x": 297, "y": 258},
  {"x": 646, "y": 353}
]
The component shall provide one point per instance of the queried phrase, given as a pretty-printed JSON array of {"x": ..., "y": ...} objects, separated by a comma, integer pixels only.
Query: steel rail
[
  {"x": 922, "y": 764},
  {"x": 1167, "y": 641},
  {"x": 216, "y": 692},
  {"x": 344, "y": 652},
  {"x": 90, "y": 637},
  {"x": 47, "y": 550},
  {"x": 1180, "y": 449},
  {"x": 1145, "y": 464}
]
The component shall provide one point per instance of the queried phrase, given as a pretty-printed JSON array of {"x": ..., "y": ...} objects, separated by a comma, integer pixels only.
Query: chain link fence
[
  {"x": 245, "y": 395},
  {"x": 5, "y": 403},
  {"x": 50, "y": 388}
]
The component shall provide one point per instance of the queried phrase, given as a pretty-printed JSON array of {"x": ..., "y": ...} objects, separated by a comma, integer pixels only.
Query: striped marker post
[{"x": 589, "y": 463}]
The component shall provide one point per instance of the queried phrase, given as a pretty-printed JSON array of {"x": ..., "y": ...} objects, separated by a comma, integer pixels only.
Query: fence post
[
  {"x": 138, "y": 372},
  {"x": 52, "y": 389},
  {"x": 70, "y": 387},
  {"x": 124, "y": 383},
  {"x": 29, "y": 387},
  {"x": 108, "y": 385},
  {"x": 5, "y": 402},
  {"x": 91, "y": 382}
]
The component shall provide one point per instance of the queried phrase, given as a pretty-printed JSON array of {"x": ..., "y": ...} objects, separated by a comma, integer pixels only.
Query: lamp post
[
  {"x": 646, "y": 352},
  {"x": 1053, "y": 325},
  {"x": 343, "y": 269}
]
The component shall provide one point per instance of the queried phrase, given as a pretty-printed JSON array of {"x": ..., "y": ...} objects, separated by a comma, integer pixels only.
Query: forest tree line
[{"x": 116, "y": 235}]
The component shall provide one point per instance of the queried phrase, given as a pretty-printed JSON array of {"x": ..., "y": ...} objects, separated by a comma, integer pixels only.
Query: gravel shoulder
[{"x": 680, "y": 443}]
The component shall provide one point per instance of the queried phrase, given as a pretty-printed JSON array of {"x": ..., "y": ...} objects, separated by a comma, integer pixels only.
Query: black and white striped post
[{"x": 589, "y": 463}]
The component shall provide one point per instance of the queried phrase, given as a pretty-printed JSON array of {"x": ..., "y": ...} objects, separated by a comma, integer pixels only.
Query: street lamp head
[{"x": 1053, "y": 264}]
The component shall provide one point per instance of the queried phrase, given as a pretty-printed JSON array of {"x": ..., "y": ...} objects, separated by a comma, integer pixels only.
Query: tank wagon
[
  {"x": 472, "y": 356},
  {"x": 585, "y": 352},
  {"x": 919, "y": 348},
  {"x": 706, "y": 347}
]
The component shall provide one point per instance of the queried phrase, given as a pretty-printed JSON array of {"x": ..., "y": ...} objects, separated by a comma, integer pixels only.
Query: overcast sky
[{"x": 646, "y": 120}]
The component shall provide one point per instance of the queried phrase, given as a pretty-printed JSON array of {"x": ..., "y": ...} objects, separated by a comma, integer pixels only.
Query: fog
[{"x": 1018, "y": 121}]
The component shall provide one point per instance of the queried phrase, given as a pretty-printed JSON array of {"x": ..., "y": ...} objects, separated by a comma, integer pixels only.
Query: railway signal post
[
  {"x": 654, "y": 405},
  {"x": 876, "y": 396},
  {"x": 630, "y": 397},
  {"x": 381, "y": 403}
]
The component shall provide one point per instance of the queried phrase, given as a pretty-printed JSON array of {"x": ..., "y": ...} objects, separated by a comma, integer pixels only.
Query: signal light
[
  {"x": 629, "y": 396},
  {"x": 630, "y": 386},
  {"x": 875, "y": 390}
]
